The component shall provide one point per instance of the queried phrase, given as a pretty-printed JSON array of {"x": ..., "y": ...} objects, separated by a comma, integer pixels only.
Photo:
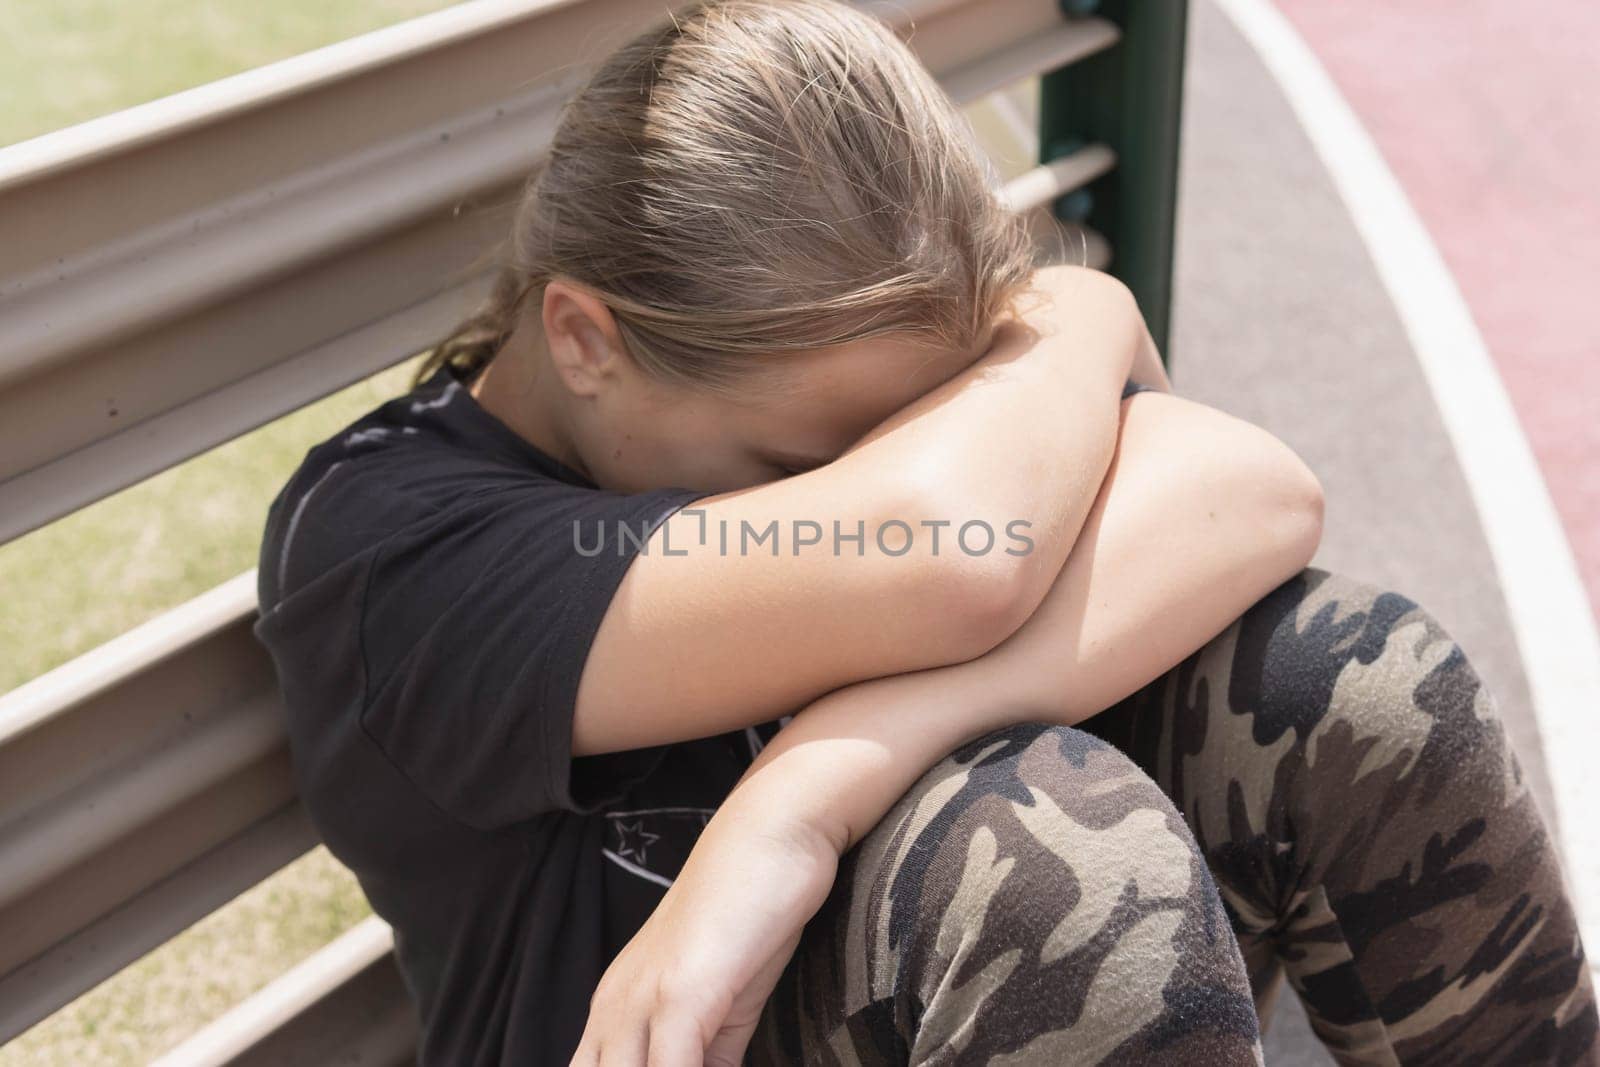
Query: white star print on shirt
[{"x": 633, "y": 839}]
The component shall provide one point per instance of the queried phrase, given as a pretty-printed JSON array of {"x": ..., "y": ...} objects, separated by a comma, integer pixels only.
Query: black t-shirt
[{"x": 429, "y": 615}]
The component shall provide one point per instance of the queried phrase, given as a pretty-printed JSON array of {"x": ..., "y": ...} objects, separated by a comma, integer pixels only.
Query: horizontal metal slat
[
  {"x": 1041, "y": 185},
  {"x": 122, "y": 933},
  {"x": 1045, "y": 49},
  {"x": 141, "y": 786},
  {"x": 346, "y": 1003},
  {"x": 226, "y": 280},
  {"x": 265, "y": 389}
]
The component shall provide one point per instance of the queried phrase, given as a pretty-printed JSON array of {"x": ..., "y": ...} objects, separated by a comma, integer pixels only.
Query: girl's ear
[{"x": 583, "y": 341}]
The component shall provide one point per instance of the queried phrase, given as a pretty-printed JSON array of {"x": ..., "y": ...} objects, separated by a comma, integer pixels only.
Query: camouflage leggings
[{"x": 1322, "y": 790}]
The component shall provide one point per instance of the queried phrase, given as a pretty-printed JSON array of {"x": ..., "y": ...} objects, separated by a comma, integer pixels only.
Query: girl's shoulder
[
  {"x": 413, "y": 466},
  {"x": 427, "y": 494}
]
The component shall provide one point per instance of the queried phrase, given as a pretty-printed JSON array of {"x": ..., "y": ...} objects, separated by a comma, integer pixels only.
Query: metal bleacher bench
[{"x": 177, "y": 274}]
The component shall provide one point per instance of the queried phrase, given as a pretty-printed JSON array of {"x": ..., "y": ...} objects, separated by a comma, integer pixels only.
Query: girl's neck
[{"x": 519, "y": 388}]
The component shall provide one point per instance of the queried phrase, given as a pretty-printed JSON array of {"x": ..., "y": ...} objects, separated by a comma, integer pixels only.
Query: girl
[{"x": 773, "y": 420}]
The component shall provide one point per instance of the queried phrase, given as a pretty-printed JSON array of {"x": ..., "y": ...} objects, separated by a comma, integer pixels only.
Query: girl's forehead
[
  {"x": 860, "y": 377},
  {"x": 817, "y": 403}
]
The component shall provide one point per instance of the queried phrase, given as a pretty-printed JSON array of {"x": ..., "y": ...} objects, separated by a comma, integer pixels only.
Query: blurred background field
[
  {"x": 65, "y": 61},
  {"x": 109, "y": 567}
]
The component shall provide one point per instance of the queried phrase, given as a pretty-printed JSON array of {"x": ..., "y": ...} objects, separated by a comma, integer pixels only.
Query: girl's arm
[
  {"x": 711, "y": 639},
  {"x": 1201, "y": 515}
]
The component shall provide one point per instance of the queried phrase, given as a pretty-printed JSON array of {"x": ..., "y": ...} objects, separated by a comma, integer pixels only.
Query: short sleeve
[{"x": 475, "y": 626}]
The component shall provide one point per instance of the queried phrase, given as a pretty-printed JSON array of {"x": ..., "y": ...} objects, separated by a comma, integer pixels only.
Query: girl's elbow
[
  {"x": 970, "y": 579},
  {"x": 1296, "y": 506},
  {"x": 1314, "y": 509},
  {"x": 973, "y": 603}
]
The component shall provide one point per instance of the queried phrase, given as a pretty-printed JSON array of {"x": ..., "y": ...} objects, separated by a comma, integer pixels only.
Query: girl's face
[
  {"x": 632, "y": 432},
  {"x": 801, "y": 413}
]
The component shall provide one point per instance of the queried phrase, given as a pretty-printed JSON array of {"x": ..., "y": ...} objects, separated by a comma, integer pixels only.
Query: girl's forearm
[
  {"x": 841, "y": 763},
  {"x": 941, "y": 494},
  {"x": 1177, "y": 544},
  {"x": 945, "y": 497}
]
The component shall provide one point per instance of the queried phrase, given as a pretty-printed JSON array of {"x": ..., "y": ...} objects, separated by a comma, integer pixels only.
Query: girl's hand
[{"x": 690, "y": 986}]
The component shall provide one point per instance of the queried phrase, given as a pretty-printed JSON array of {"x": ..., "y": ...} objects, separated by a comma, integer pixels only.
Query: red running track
[{"x": 1489, "y": 115}]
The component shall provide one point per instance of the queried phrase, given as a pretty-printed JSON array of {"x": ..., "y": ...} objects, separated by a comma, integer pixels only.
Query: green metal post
[{"x": 1130, "y": 98}]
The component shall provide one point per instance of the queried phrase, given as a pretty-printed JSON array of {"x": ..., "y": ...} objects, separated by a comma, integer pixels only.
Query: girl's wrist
[
  {"x": 746, "y": 863},
  {"x": 837, "y": 768},
  {"x": 790, "y": 831}
]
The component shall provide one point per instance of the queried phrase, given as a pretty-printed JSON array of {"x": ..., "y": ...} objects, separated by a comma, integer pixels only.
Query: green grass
[
  {"x": 98, "y": 572},
  {"x": 64, "y": 61}
]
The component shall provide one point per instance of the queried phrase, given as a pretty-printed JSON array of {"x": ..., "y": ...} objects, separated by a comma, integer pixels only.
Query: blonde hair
[{"x": 752, "y": 177}]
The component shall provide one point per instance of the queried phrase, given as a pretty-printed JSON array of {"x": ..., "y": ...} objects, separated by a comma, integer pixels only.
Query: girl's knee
[
  {"x": 1042, "y": 790},
  {"x": 1388, "y": 812},
  {"x": 1043, "y": 872},
  {"x": 1364, "y": 673},
  {"x": 1347, "y": 721}
]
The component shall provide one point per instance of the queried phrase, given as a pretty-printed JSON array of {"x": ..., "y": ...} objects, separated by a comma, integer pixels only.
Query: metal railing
[{"x": 182, "y": 272}]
